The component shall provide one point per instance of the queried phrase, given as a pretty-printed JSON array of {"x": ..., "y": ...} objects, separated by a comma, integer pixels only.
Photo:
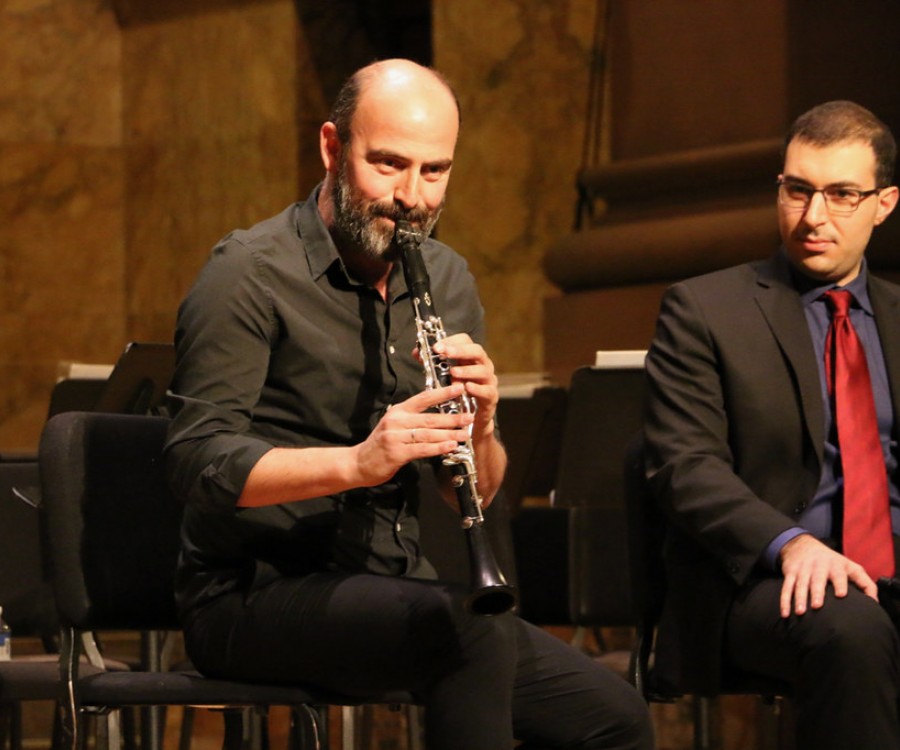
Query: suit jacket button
[
  {"x": 734, "y": 569},
  {"x": 800, "y": 508}
]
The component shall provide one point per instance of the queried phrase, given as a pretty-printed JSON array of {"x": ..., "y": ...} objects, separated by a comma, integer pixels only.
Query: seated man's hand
[{"x": 809, "y": 566}]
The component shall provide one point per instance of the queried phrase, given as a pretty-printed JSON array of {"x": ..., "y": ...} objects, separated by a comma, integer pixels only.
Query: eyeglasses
[{"x": 840, "y": 201}]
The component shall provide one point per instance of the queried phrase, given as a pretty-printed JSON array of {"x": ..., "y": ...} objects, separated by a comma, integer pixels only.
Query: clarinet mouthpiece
[{"x": 404, "y": 233}]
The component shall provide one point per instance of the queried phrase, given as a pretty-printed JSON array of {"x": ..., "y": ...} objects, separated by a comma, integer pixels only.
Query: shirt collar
[
  {"x": 811, "y": 290},
  {"x": 321, "y": 252}
]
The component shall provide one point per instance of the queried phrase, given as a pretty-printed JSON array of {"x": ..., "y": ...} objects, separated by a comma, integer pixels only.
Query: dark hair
[
  {"x": 837, "y": 121},
  {"x": 345, "y": 103}
]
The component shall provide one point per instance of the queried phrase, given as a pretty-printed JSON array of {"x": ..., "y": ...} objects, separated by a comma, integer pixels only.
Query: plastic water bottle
[{"x": 5, "y": 639}]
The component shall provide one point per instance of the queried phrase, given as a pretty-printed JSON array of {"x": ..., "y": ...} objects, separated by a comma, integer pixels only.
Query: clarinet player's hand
[
  {"x": 410, "y": 430},
  {"x": 474, "y": 368}
]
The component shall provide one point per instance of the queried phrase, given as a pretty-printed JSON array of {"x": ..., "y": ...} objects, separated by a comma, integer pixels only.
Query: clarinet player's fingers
[
  {"x": 418, "y": 412},
  {"x": 428, "y": 399},
  {"x": 473, "y": 366},
  {"x": 471, "y": 363},
  {"x": 462, "y": 349}
]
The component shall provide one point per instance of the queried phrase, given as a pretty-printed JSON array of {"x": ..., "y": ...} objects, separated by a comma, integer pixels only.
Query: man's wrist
[{"x": 772, "y": 556}]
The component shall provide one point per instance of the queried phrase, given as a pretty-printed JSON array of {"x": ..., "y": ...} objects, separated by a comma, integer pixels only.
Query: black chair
[
  {"x": 138, "y": 382},
  {"x": 28, "y": 608},
  {"x": 112, "y": 539},
  {"x": 27, "y": 604},
  {"x": 603, "y": 411},
  {"x": 530, "y": 427},
  {"x": 646, "y": 531}
]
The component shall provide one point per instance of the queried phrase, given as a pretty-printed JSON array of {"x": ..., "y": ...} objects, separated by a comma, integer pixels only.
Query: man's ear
[
  {"x": 330, "y": 147},
  {"x": 887, "y": 202}
]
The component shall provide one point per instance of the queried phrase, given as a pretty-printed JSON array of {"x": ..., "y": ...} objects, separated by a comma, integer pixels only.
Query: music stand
[{"x": 138, "y": 382}]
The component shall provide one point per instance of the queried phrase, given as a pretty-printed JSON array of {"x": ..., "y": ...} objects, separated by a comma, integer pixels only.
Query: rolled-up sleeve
[{"x": 223, "y": 340}]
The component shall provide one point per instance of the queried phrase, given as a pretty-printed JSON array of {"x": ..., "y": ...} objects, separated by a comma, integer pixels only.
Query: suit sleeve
[{"x": 692, "y": 467}]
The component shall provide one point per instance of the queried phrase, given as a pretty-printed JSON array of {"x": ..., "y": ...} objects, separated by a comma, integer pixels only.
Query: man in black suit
[{"x": 744, "y": 457}]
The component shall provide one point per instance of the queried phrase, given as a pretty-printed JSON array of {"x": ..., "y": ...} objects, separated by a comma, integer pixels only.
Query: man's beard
[{"x": 356, "y": 219}]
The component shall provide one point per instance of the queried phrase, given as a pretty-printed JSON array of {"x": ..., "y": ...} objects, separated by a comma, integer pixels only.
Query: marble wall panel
[
  {"x": 210, "y": 112},
  {"x": 61, "y": 190},
  {"x": 59, "y": 72},
  {"x": 522, "y": 72},
  {"x": 62, "y": 228},
  {"x": 61, "y": 277}
]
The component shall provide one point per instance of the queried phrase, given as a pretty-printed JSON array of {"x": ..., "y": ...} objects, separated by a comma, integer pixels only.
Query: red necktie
[{"x": 867, "y": 537}]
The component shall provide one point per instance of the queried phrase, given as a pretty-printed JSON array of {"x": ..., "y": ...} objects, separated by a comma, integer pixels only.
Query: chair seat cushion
[
  {"x": 37, "y": 677},
  {"x": 190, "y": 688}
]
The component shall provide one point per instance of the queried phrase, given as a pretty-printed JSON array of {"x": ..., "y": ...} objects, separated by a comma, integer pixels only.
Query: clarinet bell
[{"x": 491, "y": 594}]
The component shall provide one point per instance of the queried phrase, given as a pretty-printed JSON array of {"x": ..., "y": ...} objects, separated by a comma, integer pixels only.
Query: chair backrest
[
  {"x": 530, "y": 422},
  {"x": 603, "y": 411},
  {"x": 646, "y": 531},
  {"x": 25, "y": 592},
  {"x": 111, "y": 522}
]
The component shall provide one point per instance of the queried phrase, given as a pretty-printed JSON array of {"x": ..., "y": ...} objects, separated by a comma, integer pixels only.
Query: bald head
[{"x": 388, "y": 82}]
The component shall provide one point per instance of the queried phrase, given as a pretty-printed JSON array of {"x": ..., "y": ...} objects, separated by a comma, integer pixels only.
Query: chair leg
[
  {"x": 187, "y": 728},
  {"x": 15, "y": 727},
  {"x": 234, "y": 729},
  {"x": 5, "y": 722},
  {"x": 152, "y": 727},
  {"x": 414, "y": 728},
  {"x": 129, "y": 728},
  {"x": 114, "y": 724},
  {"x": 349, "y": 722},
  {"x": 702, "y": 723},
  {"x": 101, "y": 732},
  {"x": 57, "y": 734},
  {"x": 258, "y": 727},
  {"x": 307, "y": 721}
]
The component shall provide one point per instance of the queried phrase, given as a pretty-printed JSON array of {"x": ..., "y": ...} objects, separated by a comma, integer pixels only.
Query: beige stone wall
[
  {"x": 131, "y": 138},
  {"x": 522, "y": 73},
  {"x": 62, "y": 230},
  {"x": 210, "y": 142}
]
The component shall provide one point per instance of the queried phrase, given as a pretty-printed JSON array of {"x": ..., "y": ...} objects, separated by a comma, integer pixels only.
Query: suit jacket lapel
[{"x": 781, "y": 306}]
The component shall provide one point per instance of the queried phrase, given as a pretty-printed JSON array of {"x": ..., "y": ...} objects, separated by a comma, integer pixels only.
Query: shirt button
[
  {"x": 397, "y": 527},
  {"x": 391, "y": 349}
]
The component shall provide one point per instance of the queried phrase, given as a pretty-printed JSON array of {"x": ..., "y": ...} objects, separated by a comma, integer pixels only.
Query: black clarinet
[{"x": 491, "y": 594}]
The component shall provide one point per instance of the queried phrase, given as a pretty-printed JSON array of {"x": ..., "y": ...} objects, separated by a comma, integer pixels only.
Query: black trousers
[
  {"x": 842, "y": 661},
  {"x": 482, "y": 680}
]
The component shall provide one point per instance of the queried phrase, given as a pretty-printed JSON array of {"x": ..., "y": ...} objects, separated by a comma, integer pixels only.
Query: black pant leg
[
  {"x": 361, "y": 634},
  {"x": 563, "y": 698},
  {"x": 842, "y": 661}
]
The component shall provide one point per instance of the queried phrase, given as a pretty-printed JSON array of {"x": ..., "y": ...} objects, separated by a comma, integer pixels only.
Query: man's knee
[
  {"x": 449, "y": 637},
  {"x": 855, "y": 632}
]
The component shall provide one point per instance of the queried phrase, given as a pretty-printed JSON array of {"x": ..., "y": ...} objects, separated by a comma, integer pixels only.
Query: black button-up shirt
[{"x": 278, "y": 346}]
